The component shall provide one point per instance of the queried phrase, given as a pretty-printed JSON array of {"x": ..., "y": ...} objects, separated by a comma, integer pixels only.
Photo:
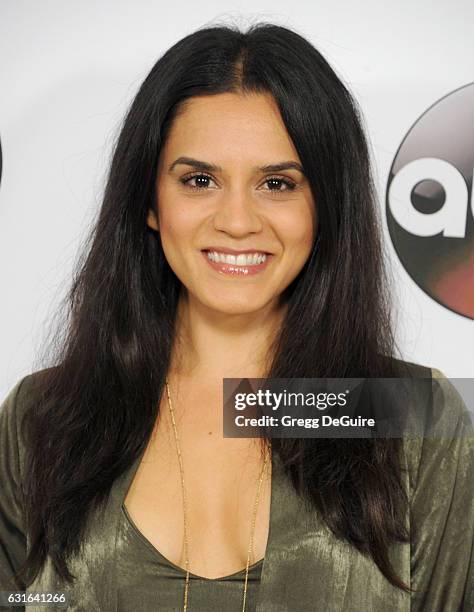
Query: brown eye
[
  {"x": 275, "y": 183},
  {"x": 201, "y": 181}
]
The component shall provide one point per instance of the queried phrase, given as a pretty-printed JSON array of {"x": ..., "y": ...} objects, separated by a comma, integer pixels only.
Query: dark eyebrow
[{"x": 202, "y": 165}]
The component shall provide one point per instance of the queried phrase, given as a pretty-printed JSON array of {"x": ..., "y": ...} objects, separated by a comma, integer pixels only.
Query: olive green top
[
  {"x": 161, "y": 583},
  {"x": 305, "y": 568}
]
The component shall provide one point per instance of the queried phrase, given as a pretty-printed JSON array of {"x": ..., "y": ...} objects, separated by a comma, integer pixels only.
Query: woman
[{"x": 238, "y": 237}]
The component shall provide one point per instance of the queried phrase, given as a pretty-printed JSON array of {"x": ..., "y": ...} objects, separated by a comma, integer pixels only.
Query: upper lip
[{"x": 235, "y": 251}]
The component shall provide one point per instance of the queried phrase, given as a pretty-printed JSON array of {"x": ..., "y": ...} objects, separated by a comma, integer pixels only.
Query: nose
[{"x": 236, "y": 214}]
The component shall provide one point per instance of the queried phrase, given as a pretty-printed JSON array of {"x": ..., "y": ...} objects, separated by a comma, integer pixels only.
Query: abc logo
[{"x": 430, "y": 202}]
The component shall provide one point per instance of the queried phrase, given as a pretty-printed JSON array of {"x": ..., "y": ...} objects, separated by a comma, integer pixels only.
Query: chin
[{"x": 235, "y": 307}]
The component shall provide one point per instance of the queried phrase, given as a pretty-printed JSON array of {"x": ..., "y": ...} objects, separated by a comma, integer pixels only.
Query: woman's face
[{"x": 220, "y": 207}]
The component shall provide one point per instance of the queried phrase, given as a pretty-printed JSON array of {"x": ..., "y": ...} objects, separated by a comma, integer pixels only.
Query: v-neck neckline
[{"x": 127, "y": 482}]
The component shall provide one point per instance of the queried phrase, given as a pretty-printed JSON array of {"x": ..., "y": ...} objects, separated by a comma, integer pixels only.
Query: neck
[{"x": 211, "y": 344}]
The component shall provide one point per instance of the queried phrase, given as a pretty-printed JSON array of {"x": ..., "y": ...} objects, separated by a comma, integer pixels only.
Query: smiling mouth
[
  {"x": 243, "y": 264},
  {"x": 241, "y": 259}
]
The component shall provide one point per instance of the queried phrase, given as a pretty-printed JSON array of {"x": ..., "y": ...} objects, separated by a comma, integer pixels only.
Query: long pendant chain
[{"x": 186, "y": 543}]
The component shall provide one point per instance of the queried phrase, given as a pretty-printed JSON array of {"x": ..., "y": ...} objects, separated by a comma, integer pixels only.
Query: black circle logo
[{"x": 430, "y": 203}]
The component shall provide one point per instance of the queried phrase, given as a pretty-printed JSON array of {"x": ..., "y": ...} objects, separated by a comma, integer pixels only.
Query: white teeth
[{"x": 244, "y": 259}]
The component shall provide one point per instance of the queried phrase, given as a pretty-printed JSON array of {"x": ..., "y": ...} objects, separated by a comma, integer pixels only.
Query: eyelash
[{"x": 290, "y": 185}]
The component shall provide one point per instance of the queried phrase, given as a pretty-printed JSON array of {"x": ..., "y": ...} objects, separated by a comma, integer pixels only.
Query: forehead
[{"x": 229, "y": 122}]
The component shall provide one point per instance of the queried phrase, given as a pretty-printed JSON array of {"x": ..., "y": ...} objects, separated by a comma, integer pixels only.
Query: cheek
[
  {"x": 171, "y": 214},
  {"x": 176, "y": 223},
  {"x": 297, "y": 230}
]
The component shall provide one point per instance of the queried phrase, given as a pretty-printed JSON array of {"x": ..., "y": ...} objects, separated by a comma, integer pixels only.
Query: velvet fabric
[{"x": 305, "y": 568}]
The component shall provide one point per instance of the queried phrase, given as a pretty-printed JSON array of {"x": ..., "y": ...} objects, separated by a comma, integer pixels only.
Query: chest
[
  {"x": 221, "y": 480},
  {"x": 304, "y": 563}
]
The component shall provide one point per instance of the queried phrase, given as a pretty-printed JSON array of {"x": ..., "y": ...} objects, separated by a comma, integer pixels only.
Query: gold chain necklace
[{"x": 250, "y": 548}]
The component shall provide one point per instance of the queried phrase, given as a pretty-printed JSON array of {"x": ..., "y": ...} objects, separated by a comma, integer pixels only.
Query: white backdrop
[{"x": 69, "y": 69}]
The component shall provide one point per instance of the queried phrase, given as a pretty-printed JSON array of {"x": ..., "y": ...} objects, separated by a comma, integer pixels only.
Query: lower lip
[{"x": 235, "y": 270}]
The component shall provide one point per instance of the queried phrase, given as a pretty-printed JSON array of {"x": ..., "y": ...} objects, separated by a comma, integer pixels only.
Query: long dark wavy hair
[{"x": 98, "y": 397}]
